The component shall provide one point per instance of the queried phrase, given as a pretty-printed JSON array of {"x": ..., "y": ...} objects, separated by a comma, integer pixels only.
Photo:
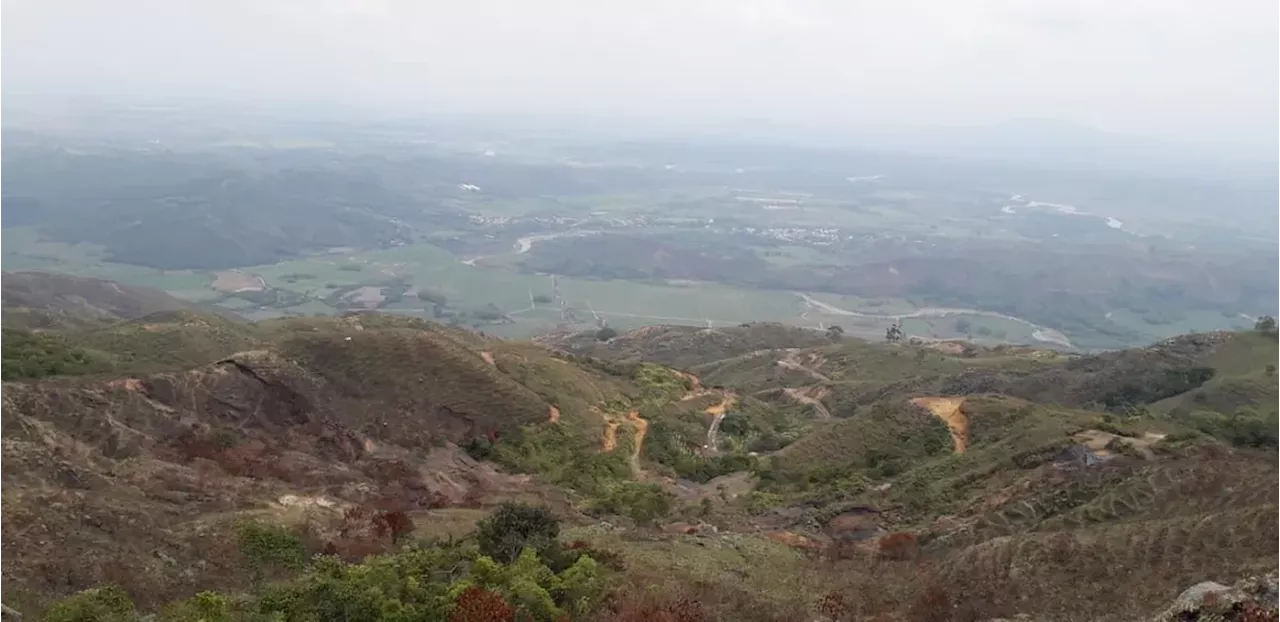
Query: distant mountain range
[{"x": 1048, "y": 143}]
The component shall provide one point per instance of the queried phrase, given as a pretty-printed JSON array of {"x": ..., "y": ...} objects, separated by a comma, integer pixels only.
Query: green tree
[
  {"x": 514, "y": 527},
  {"x": 605, "y": 334},
  {"x": 835, "y": 332},
  {"x": 533, "y": 589},
  {"x": 894, "y": 333},
  {"x": 1265, "y": 324},
  {"x": 963, "y": 326}
]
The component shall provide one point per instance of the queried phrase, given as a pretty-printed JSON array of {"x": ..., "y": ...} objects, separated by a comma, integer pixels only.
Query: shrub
[
  {"x": 265, "y": 547},
  {"x": 643, "y": 503},
  {"x": 514, "y": 527},
  {"x": 203, "y": 607},
  {"x": 605, "y": 334},
  {"x": 100, "y": 604},
  {"x": 478, "y": 448}
]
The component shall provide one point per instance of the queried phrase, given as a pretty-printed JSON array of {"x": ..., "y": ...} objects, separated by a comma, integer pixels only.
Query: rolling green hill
[{"x": 36, "y": 300}]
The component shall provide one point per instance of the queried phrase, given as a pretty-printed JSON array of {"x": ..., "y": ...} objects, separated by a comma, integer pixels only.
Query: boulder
[{"x": 1250, "y": 599}]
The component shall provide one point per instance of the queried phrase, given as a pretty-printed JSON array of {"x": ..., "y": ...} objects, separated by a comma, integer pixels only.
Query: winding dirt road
[
  {"x": 717, "y": 412},
  {"x": 815, "y": 403},
  {"x": 640, "y": 426}
]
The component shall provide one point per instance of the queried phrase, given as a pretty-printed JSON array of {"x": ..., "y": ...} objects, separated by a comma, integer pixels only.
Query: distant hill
[
  {"x": 48, "y": 300},
  {"x": 197, "y": 211},
  {"x": 686, "y": 346}
]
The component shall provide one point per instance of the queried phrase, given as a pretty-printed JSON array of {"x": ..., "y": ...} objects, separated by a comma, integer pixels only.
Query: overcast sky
[{"x": 1169, "y": 68}]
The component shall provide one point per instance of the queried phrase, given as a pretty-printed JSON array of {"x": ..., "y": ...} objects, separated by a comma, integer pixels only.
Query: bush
[
  {"x": 605, "y": 334},
  {"x": 478, "y": 448},
  {"x": 446, "y": 581},
  {"x": 203, "y": 607},
  {"x": 643, "y": 503},
  {"x": 100, "y": 604},
  {"x": 514, "y": 527},
  {"x": 266, "y": 548},
  {"x": 1245, "y": 428}
]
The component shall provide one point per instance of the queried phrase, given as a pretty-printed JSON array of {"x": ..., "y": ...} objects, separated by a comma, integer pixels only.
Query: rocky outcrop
[
  {"x": 1250, "y": 600},
  {"x": 103, "y": 474}
]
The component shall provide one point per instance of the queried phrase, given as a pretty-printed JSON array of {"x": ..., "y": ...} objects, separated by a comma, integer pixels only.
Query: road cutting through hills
[
  {"x": 948, "y": 410},
  {"x": 641, "y": 429},
  {"x": 717, "y": 412},
  {"x": 640, "y": 426},
  {"x": 803, "y": 396}
]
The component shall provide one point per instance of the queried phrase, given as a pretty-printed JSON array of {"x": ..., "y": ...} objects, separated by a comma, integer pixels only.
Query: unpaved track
[
  {"x": 717, "y": 412},
  {"x": 641, "y": 429},
  {"x": 801, "y": 396},
  {"x": 639, "y": 426},
  {"x": 948, "y": 410},
  {"x": 791, "y": 360}
]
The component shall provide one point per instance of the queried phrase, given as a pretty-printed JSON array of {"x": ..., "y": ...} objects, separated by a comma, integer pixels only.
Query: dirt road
[{"x": 800, "y": 395}]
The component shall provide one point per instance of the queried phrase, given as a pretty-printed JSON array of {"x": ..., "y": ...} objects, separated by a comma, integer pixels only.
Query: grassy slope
[
  {"x": 1241, "y": 381},
  {"x": 47, "y": 300},
  {"x": 686, "y": 346}
]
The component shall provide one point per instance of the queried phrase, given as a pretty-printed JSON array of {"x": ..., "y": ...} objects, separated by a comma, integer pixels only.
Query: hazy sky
[{"x": 1171, "y": 68}]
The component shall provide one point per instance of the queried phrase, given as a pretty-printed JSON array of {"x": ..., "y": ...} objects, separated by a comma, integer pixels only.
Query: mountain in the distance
[
  {"x": 1044, "y": 143},
  {"x": 47, "y": 300}
]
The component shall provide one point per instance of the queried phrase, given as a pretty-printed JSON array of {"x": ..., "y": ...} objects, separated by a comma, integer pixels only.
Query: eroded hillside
[{"x": 773, "y": 475}]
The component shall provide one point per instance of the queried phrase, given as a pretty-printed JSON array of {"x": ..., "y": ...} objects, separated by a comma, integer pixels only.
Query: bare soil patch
[{"x": 232, "y": 282}]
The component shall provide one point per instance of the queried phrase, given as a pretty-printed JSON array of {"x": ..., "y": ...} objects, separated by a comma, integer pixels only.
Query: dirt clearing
[{"x": 232, "y": 282}]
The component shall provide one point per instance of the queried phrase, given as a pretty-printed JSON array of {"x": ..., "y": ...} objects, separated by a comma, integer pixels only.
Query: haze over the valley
[{"x": 1181, "y": 71}]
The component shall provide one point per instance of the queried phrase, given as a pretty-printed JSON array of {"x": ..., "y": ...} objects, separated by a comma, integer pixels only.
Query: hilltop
[
  {"x": 686, "y": 346},
  {"x": 757, "y": 472},
  {"x": 46, "y": 300}
]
